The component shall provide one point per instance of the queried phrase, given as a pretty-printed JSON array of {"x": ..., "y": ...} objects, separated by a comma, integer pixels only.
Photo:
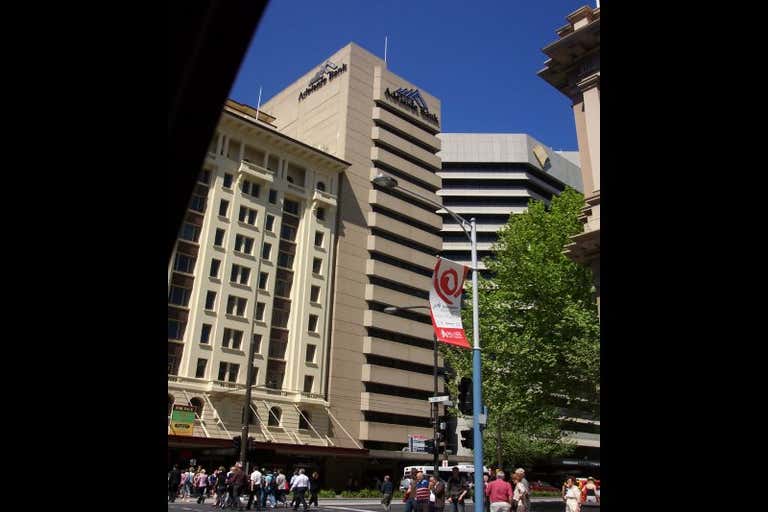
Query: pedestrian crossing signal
[{"x": 468, "y": 438}]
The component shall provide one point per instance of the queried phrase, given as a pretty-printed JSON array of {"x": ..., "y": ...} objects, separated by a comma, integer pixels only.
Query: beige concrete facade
[
  {"x": 251, "y": 236},
  {"x": 380, "y": 372},
  {"x": 573, "y": 68}
]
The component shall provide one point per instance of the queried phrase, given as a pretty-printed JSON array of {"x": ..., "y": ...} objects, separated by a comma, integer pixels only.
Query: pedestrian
[
  {"x": 255, "y": 488},
  {"x": 299, "y": 487},
  {"x": 522, "y": 491},
  {"x": 422, "y": 492},
  {"x": 486, "y": 503},
  {"x": 290, "y": 486},
  {"x": 457, "y": 490},
  {"x": 314, "y": 489},
  {"x": 201, "y": 484},
  {"x": 499, "y": 493},
  {"x": 589, "y": 492},
  {"x": 221, "y": 488},
  {"x": 437, "y": 494},
  {"x": 229, "y": 502},
  {"x": 211, "y": 484},
  {"x": 410, "y": 492},
  {"x": 174, "y": 481},
  {"x": 387, "y": 489},
  {"x": 189, "y": 488},
  {"x": 571, "y": 496},
  {"x": 280, "y": 482}
]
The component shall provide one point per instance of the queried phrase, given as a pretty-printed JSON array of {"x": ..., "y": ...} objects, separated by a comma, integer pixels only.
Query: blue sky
[{"x": 479, "y": 57}]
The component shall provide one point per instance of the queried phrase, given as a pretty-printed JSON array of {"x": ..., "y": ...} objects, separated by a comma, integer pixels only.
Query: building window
[
  {"x": 210, "y": 300},
  {"x": 313, "y": 323},
  {"x": 304, "y": 419},
  {"x": 240, "y": 274},
  {"x": 215, "y": 264},
  {"x": 205, "y": 174},
  {"x": 255, "y": 190},
  {"x": 246, "y": 187},
  {"x": 275, "y": 415},
  {"x": 317, "y": 266},
  {"x": 320, "y": 213},
  {"x": 223, "y": 207},
  {"x": 309, "y": 382},
  {"x": 318, "y": 238},
  {"x": 228, "y": 371},
  {"x": 273, "y": 163},
  {"x": 184, "y": 263},
  {"x": 189, "y": 232},
  {"x": 314, "y": 294},
  {"x": 266, "y": 250},
  {"x": 270, "y": 225},
  {"x": 227, "y": 180},
  {"x": 263, "y": 276},
  {"x": 236, "y": 305},
  {"x": 256, "y": 345},
  {"x": 170, "y": 403},
  {"x": 175, "y": 329},
  {"x": 283, "y": 283},
  {"x": 200, "y": 371},
  {"x": 205, "y": 333},
  {"x": 247, "y": 215},
  {"x": 288, "y": 232},
  {"x": 243, "y": 244},
  {"x": 310, "y": 355},
  {"x": 321, "y": 186},
  {"x": 198, "y": 203},
  {"x": 273, "y": 196},
  {"x": 284, "y": 260},
  {"x": 291, "y": 207},
  {"x": 232, "y": 339},
  {"x": 218, "y": 241},
  {"x": 179, "y": 296},
  {"x": 197, "y": 403},
  {"x": 260, "y": 311}
]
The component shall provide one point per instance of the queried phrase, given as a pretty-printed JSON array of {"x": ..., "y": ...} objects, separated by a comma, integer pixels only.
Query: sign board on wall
[{"x": 182, "y": 420}]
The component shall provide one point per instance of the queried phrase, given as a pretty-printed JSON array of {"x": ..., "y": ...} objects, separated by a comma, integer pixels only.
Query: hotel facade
[{"x": 347, "y": 405}]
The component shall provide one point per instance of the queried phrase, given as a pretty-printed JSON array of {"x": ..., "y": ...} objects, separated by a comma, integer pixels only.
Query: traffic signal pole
[{"x": 435, "y": 409}]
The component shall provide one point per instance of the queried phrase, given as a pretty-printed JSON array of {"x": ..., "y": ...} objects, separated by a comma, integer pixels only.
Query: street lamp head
[{"x": 384, "y": 181}]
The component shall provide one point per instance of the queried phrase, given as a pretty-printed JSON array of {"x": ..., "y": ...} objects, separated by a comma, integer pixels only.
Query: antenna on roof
[
  {"x": 385, "y": 49},
  {"x": 258, "y": 104}
]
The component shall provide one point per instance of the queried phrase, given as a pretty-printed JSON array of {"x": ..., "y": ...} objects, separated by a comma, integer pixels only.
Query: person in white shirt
[
  {"x": 255, "y": 489},
  {"x": 299, "y": 486},
  {"x": 572, "y": 496}
]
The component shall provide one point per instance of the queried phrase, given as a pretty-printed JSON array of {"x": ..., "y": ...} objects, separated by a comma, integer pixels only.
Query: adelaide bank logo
[
  {"x": 326, "y": 72},
  {"x": 412, "y": 99}
]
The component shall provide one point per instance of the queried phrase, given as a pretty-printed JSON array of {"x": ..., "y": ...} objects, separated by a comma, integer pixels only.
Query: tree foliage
[{"x": 539, "y": 333}]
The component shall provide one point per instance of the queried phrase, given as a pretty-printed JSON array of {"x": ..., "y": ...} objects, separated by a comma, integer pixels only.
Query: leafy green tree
[{"x": 539, "y": 334}]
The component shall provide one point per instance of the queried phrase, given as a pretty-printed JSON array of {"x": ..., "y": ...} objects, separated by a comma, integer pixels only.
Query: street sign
[
  {"x": 444, "y": 398},
  {"x": 416, "y": 444}
]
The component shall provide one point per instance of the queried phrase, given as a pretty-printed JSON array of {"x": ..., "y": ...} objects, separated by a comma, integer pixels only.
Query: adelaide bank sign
[
  {"x": 326, "y": 72},
  {"x": 412, "y": 100}
]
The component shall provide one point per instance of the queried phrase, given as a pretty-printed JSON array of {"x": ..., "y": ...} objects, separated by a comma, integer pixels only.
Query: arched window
[
  {"x": 197, "y": 403},
  {"x": 321, "y": 186},
  {"x": 304, "y": 419},
  {"x": 170, "y": 403},
  {"x": 275, "y": 415}
]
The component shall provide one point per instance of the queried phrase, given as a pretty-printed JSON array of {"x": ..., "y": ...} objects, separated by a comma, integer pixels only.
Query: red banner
[{"x": 445, "y": 302}]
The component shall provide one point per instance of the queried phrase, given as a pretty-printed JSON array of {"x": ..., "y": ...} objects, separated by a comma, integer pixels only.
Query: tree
[{"x": 539, "y": 334}]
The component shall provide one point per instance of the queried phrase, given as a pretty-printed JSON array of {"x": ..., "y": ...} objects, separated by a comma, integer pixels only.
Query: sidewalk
[{"x": 363, "y": 501}]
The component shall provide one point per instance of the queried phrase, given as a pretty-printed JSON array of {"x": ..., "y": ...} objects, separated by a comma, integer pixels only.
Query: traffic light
[
  {"x": 429, "y": 445},
  {"x": 468, "y": 438},
  {"x": 236, "y": 442},
  {"x": 465, "y": 396}
]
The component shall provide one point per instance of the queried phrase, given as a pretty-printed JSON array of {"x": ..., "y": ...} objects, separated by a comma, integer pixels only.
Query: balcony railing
[
  {"x": 324, "y": 197},
  {"x": 301, "y": 190},
  {"x": 256, "y": 171}
]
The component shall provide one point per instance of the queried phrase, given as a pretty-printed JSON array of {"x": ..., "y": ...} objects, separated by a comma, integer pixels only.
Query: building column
[{"x": 590, "y": 89}]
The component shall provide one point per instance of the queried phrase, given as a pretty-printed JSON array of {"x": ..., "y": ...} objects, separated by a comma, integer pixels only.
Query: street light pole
[
  {"x": 389, "y": 182},
  {"x": 436, "y": 410}
]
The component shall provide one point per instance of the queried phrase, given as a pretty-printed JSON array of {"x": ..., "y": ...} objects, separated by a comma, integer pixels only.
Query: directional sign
[{"x": 444, "y": 398}]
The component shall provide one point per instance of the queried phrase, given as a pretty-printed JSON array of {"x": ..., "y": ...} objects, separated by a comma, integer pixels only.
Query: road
[{"x": 351, "y": 505}]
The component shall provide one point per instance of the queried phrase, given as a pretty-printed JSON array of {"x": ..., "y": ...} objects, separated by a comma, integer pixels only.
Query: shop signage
[
  {"x": 182, "y": 420},
  {"x": 445, "y": 302},
  {"x": 413, "y": 101},
  {"x": 325, "y": 73}
]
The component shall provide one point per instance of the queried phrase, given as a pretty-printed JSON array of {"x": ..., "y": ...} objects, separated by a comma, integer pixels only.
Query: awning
[{"x": 304, "y": 449}]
